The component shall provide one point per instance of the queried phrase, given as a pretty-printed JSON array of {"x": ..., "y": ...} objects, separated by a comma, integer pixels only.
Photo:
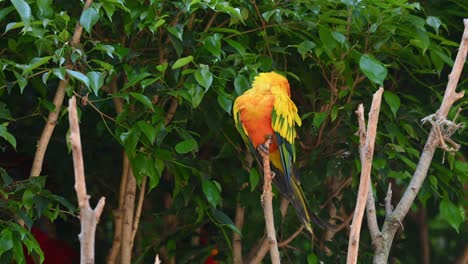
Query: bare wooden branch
[
  {"x": 57, "y": 101},
  {"x": 291, "y": 237},
  {"x": 128, "y": 218},
  {"x": 393, "y": 221},
  {"x": 388, "y": 201},
  {"x": 141, "y": 199},
  {"x": 88, "y": 217},
  {"x": 267, "y": 198},
  {"x": 236, "y": 237},
  {"x": 258, "y": 252},
  {"x": 372, "y": 218},
  {"x": 118, "y": 214},
  {"x": 366, "y": 153}
]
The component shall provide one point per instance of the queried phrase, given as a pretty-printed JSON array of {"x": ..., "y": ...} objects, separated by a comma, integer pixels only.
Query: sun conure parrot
[{"x": 267, "y": 110}]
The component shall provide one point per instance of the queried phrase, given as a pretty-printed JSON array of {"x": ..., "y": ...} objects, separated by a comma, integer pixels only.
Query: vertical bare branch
[
  {"x": 128, "y": 218},
  {"x": 236, "y": 238},
  {"x": 53, "y": 115},
  {"x": 392, "y": 222},
  {"x": 267, "y": 198},
  {"x": 88, "y": 217},
  {"x": 141, "y": 199},
  {"x": 366, "y": 153}
]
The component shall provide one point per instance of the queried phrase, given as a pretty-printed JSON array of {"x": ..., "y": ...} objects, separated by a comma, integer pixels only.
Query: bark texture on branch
[
  {"x": 394, "y": 220},
  {"x": 88, "y": 217},
  {"x": 57, "y": 101},
  {"x": 267, "y": 198},
  {"x": 366, "y": 149},
  {"x": 236, "y": 237}
]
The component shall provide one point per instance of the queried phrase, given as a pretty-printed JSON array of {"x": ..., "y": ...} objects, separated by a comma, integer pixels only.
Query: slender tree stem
[{"x": 367, "y": 153}]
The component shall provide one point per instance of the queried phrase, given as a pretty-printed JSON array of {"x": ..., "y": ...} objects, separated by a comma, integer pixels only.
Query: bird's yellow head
[{"x": 264, "y": 81}]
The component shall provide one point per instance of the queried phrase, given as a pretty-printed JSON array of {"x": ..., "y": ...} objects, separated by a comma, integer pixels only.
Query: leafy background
[{"x": 177, "y": 66}]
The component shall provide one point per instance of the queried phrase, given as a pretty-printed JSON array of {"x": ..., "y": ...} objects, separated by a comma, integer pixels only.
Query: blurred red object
[{"x": 55, "y": 251}]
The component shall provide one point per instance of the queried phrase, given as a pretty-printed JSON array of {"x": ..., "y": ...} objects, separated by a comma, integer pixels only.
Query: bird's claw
[{"x": 265, "y": 147}]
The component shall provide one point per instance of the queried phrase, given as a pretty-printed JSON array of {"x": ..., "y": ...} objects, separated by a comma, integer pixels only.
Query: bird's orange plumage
[{"x": 267, "y": 110}]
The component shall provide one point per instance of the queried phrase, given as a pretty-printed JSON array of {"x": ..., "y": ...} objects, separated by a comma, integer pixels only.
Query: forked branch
[
  {"x": 88, "y": 217},
  {"x": 366, "y": 149}
]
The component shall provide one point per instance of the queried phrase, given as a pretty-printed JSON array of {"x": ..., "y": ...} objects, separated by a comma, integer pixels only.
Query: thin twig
[
  {"x": 388, "y": 200},
  {"x": 366, "y": 152},
  {"x": 291, "y": 237},
  {"x": 267, "y": 198},
  {"x": 141, "y": 198}
]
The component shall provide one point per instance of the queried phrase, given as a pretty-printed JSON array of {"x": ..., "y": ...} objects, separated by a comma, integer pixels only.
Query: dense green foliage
[{"x": 196, "y": 57}]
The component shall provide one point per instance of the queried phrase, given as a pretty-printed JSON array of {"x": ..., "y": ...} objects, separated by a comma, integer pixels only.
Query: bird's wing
[
  {"x": 240, "y": 127},
  {"x": 284, "y": 118}
]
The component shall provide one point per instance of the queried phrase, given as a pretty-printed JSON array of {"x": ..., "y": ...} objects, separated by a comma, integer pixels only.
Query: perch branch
[
  {"x": 392, "y": 222},
  {"x": 52, "y": 119},
  {"x": 88, "y": 217},
  {"x": 366, "y": 153},
  {"x": 257, "y": 253},
  {"x": 267, "y": 198}
]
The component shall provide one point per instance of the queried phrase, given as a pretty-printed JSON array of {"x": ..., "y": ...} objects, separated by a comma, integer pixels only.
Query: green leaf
[
  {"x": 373, "y": 69},
  {"x": 451, "y": 213},
  {"x": 22, "y": 82},
  {"x": 177, "y": 31},
  {"x": 305, "y": 47},
  {"x": 204, "y": 76},
  {"x": 236, "y": 45},
  {"x": 224, "y": 220},
  {"x": 24, "y": 11},
  {"x": 88, "y": 18},
  {"x": 434, "y": 22},
  {"x": 339, "y": 37},
  {"x": 4, "y": 112},
  {"x": 60, "y": 73},
  {"x": 96, "y": 80},
  {"x": 78, "y": 75},
  {"x": 241, "y": 84},
  {"x": 129, "y": 141},
  {"x": 182, "y": 62},
  {"x": 28, "y": 199},
  {"x": 254, "y": 178},
  {"x": 35, "y": 63},
  {"x": 108, "y": 49},
  {"x": 393, "y": 101},
  {"x": 7, "y": 136},
  {"x": 186, "y": 146},
  {"x": 319, "y": 117},
  {"x": 213, "y": 44},
  {"x": 147, "y": 129},
  {"x": 159, "y": 166},
  {"x": 5, "y": 11},
  {"x": 212, "y": 192},
  {"x": 328, "y": 41},
  {"x": 143, "y": 99},
  {"x": 196, "y": 95},
  {"x": 162, "y": 67},
  {"x": 6, "y": 241},
  {"x": 225, "y": 102}
]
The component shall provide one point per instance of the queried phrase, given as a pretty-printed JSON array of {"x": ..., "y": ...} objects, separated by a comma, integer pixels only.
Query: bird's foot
[{"x": 264, "y": 148}]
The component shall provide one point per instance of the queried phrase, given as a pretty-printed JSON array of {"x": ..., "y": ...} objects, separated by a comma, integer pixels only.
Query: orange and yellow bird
[{"x": 267, "y": 110}]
